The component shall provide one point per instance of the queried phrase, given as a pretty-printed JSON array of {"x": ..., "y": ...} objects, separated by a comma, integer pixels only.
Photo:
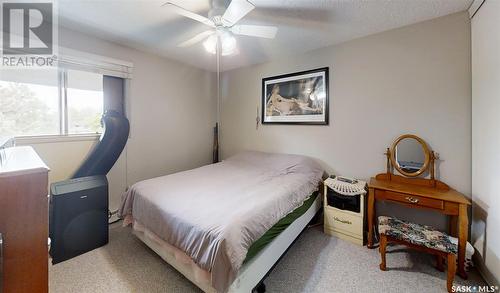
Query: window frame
[{"x": 63, "y": 135}]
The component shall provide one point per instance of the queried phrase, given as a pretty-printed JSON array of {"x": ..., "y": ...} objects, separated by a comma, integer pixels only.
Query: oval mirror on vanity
[{"x": 410, "y": 155}]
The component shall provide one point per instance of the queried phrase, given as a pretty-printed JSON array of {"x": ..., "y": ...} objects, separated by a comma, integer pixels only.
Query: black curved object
[{"x": 111, "y": 143}]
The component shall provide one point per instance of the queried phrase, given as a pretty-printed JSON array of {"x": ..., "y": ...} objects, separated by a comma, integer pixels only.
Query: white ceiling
[{"x": 303, "y": 24}]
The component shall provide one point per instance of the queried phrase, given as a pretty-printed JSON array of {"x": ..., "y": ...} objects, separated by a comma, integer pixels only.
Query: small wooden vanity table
[{"x": 419, "y": 193}]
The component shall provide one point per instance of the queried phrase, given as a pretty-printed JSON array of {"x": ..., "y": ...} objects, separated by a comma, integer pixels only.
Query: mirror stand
[
  {"x": 412, "y": 178},
  {"x": 432, "y": 160}
]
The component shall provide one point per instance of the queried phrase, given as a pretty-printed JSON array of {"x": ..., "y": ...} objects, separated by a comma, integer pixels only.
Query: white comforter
[{"x": 215, "y": 213}]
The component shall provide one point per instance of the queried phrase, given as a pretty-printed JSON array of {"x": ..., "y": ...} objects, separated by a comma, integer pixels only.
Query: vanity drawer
[{"x": 413, "y": 199}]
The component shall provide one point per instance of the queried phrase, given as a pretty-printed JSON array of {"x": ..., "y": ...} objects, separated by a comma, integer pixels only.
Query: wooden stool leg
[
  {"x": 439, "y": 263},
  {"x": 382, "y": 248},
  {"x": 452, "y": 266}
]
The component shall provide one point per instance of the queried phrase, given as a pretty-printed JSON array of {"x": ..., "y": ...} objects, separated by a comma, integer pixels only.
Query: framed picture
[{"x": 296, "y": 98}]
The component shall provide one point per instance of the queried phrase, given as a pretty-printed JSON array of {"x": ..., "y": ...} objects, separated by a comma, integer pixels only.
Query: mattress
[
  {"x": 254, "y": 269},
  {"x": 216, "y": 212},
  {"x": 279, "y": 227}
]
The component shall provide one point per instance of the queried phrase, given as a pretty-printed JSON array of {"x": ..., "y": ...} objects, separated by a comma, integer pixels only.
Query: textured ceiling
[{"x": 303, "y": 24}]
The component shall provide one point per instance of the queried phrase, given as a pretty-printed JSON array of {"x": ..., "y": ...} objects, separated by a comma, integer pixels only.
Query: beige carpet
[{"x": 316, "y": 263}]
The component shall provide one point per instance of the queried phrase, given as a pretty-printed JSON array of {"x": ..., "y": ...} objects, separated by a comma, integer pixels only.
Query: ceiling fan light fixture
[
  {"x": 223, "y": 24},
  {"x": 227, "y": 43},
  {"x": 210, "y": 43}
]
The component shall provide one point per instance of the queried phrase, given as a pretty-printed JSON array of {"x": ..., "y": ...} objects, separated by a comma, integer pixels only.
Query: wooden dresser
[{"x": 23, "y": 221}]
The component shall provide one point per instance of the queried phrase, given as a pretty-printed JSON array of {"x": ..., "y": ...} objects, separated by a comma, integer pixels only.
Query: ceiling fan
[{"x": 223, "y": 26}]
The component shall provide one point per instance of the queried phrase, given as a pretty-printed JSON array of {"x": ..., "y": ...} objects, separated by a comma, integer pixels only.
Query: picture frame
[{"x": 296, "y": 98}]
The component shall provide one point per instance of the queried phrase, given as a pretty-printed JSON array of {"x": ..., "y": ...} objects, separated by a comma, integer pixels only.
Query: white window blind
[{"x": 73, "y": 59}]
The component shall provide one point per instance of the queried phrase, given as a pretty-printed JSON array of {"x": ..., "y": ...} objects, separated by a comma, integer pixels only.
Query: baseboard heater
[{"x": 78, "y": 216}]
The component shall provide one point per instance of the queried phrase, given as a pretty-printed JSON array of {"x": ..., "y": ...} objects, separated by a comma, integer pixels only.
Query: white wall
[
  {"x": 171, "y": 107},
  {"x": 486, "y": 137},
  {"x": 414, "y": 79}
]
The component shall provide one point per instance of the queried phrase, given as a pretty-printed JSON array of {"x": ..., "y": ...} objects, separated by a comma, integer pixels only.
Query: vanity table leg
[
  {"x": 463, "y": 231},
  {"x": 452, "y": 226},
  {"x": 371, "y": 216}
]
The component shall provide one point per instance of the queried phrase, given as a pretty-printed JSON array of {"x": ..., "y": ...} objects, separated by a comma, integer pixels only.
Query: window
[
  {"x": 28, "y": 107},
  {"x": 84, "y": 102},
  {"x": 50, "y": 102}
]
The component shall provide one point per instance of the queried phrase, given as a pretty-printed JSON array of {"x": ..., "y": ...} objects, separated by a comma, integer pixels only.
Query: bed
[{"x": 225, "y": 225}]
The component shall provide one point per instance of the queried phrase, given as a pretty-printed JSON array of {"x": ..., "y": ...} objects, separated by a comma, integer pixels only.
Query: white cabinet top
[{"x": 21, "y": 160}]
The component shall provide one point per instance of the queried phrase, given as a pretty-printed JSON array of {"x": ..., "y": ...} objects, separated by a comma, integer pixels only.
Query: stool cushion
[{"x": 416, "y": 234}]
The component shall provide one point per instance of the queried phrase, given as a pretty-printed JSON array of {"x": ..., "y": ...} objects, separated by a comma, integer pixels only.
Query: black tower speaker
[{"x": 78, "y": 216}]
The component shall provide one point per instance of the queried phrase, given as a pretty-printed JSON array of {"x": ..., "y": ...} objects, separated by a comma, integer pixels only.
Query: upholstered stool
[{"x": 419, "y": 237}]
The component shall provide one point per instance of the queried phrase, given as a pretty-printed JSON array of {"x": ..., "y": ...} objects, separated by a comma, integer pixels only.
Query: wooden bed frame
[{"x": 251, "y": 275}]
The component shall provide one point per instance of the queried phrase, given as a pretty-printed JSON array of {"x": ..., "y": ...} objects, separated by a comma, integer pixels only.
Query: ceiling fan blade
[
  {"x": 196, "y": 39},
  {"x": 181, "y": 11},
  {"x": 237, "y": 10},
  {"x": 260, "y": 31}
]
